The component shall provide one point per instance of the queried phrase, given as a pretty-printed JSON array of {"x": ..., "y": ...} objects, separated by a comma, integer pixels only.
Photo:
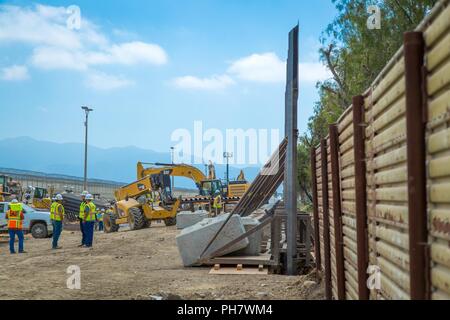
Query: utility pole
[
  {"x": 86, "y": 111},
  {"x": 172, "y": 150},
  {"x": 228, "y": 155}
]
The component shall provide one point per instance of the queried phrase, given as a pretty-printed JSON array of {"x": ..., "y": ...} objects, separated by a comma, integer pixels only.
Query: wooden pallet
[{"x": 239, "y": 269}]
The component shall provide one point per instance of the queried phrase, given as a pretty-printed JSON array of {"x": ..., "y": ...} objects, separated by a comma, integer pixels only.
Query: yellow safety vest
[
  {"x": 92, "y": 211},
  {"x": 217, "y": 202},
  {"x": 82, "y": 207},
  {"x": 99, "y": 216},
  {"x": 13, "y": 216},
  {"x": 52, "y": 210},
  {"x": 55, "y": 215}
]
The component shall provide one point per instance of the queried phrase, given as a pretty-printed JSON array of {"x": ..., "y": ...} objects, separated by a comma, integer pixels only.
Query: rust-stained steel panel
[
  {"x": 346, "y": 166},
  {"x": 437, "y": 65},
  {"x": 326, "y": 221},
  {"x": 315, "y": 208},
  {"x": 387, "y": 188},
  {"x": 360, "y": 195},
  {"x": 414, "y": 57}
]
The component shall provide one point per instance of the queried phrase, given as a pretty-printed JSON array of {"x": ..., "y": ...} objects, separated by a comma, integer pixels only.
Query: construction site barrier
[{"x": 381, "y": 178}]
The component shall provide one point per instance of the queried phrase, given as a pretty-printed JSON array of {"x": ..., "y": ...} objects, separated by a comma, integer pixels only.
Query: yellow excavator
[
  {"x": 207, "y": 186},
  {"x": 150, "y": 197}
]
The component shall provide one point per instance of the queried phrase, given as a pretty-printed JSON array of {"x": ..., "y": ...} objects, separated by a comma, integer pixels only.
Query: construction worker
[
  {"x": 110, "y": 210},
  {"x": 57, "y": 217},
  {"x": 89, "y": 218},
  {"x": 100, "y": 215},
  {"x": 80, "y": 217},
  {"x": 217, "y": 204},
  {"x": 15, "y": 219}
]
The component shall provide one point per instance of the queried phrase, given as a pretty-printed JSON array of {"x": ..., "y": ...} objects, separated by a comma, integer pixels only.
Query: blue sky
[{"x": 151, "y": 67}]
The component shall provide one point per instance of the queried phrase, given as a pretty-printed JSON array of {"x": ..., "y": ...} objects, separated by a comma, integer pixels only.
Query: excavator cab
[
  {"x": 161, "y": 182},
  {"x": 210, "y": 187}
]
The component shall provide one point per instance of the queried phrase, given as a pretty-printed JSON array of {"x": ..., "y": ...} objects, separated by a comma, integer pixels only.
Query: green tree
[{"x": 355, "y": 55}]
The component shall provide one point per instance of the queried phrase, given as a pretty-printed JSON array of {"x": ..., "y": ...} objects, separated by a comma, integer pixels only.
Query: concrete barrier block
[
  {"x": 187, "y": 218},
  {"x": 255, "y": 239},
  {"x": 193, "y": 240}
]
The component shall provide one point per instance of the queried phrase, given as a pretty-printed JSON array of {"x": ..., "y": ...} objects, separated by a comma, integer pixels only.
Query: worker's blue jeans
[
  {"x": 12, "y": 238},
  {"x": 57, "y": 228},
  {"x": 83, "y": 235},
  {"x": 100, "y": 226},
  {"x": 88, "y": 227}
]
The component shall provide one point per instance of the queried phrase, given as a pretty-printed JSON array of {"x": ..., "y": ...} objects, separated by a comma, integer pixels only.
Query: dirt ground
[{"x": 132, "y": 265}]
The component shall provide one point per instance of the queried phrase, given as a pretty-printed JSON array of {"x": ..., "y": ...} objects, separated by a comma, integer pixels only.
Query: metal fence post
[
  {"x": 339, "y": 237},
  {"x": 315, "y": 209},
  {"x": 290, "y": 174},
  {"x": 415, "y": 139},
  {"x": 326, "y": 220},
  {"x": 360, "y": 195}
]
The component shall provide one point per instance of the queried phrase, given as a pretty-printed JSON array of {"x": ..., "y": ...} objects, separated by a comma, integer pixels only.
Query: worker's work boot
[
  {"x": 22, "y": 252},
  {"x": 57, "y": 248},
  {"x": 80, "y": 245}
]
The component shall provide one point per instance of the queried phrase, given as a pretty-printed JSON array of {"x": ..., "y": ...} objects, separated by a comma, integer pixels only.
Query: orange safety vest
[{"x": 14, "y": 217}]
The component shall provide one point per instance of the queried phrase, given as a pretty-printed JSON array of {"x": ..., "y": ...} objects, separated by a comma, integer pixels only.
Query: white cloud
[
  {"x": 138, "y": 52},
  {"x": 312, "y": 72},
  {"x": 55, "y": 46},
  {"x": 44, "y": 25},
  {"x": 260, "y": 68},
  {"x": 265, "y": 67},
  {"x": 15, "y": 73},
  {"x": 105, "y": 82},
  {"x": 58, "y": 58},
  {"x": 132, "y": 53},
  {"x": 212, "y": 83}
]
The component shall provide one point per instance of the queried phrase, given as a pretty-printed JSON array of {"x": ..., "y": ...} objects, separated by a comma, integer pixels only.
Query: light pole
[
  {"x": 86, "y": 111},
  {"x": 228, "y": 155},
  {"x": 172, "y": 150}
]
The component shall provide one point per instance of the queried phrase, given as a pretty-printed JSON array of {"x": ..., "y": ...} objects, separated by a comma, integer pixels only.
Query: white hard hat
[
  {"x": 89, "y": 197},
  {"x": 103, "y": 210},
  {"x": 14, "y": 201},
  {"x": 84, "y": 193},
  {"x": 59, "y": 197}
]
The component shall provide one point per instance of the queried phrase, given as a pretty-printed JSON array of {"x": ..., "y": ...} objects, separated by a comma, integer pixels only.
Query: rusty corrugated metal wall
[
  {"x": 387, "y": 188},
  {"x": 437, "y": 40},
  {"x": 333, "y": 271},
  {"x": 348, "y": 207},
  {"x": 395, "y": 231},
  {"x": 318, "y": 173}
]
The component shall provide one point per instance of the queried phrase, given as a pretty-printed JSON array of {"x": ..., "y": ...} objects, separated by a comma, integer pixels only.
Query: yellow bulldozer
[
  {"x": 42, "y": 197},
  {"x": 141, "y": 202}
]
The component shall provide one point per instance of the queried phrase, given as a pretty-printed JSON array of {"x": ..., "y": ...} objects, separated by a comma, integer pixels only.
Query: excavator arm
[{"x": 177, "y": 170}]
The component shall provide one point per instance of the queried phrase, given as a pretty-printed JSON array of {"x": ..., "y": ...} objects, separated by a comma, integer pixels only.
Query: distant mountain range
[{"x": 116, "y": 164}]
